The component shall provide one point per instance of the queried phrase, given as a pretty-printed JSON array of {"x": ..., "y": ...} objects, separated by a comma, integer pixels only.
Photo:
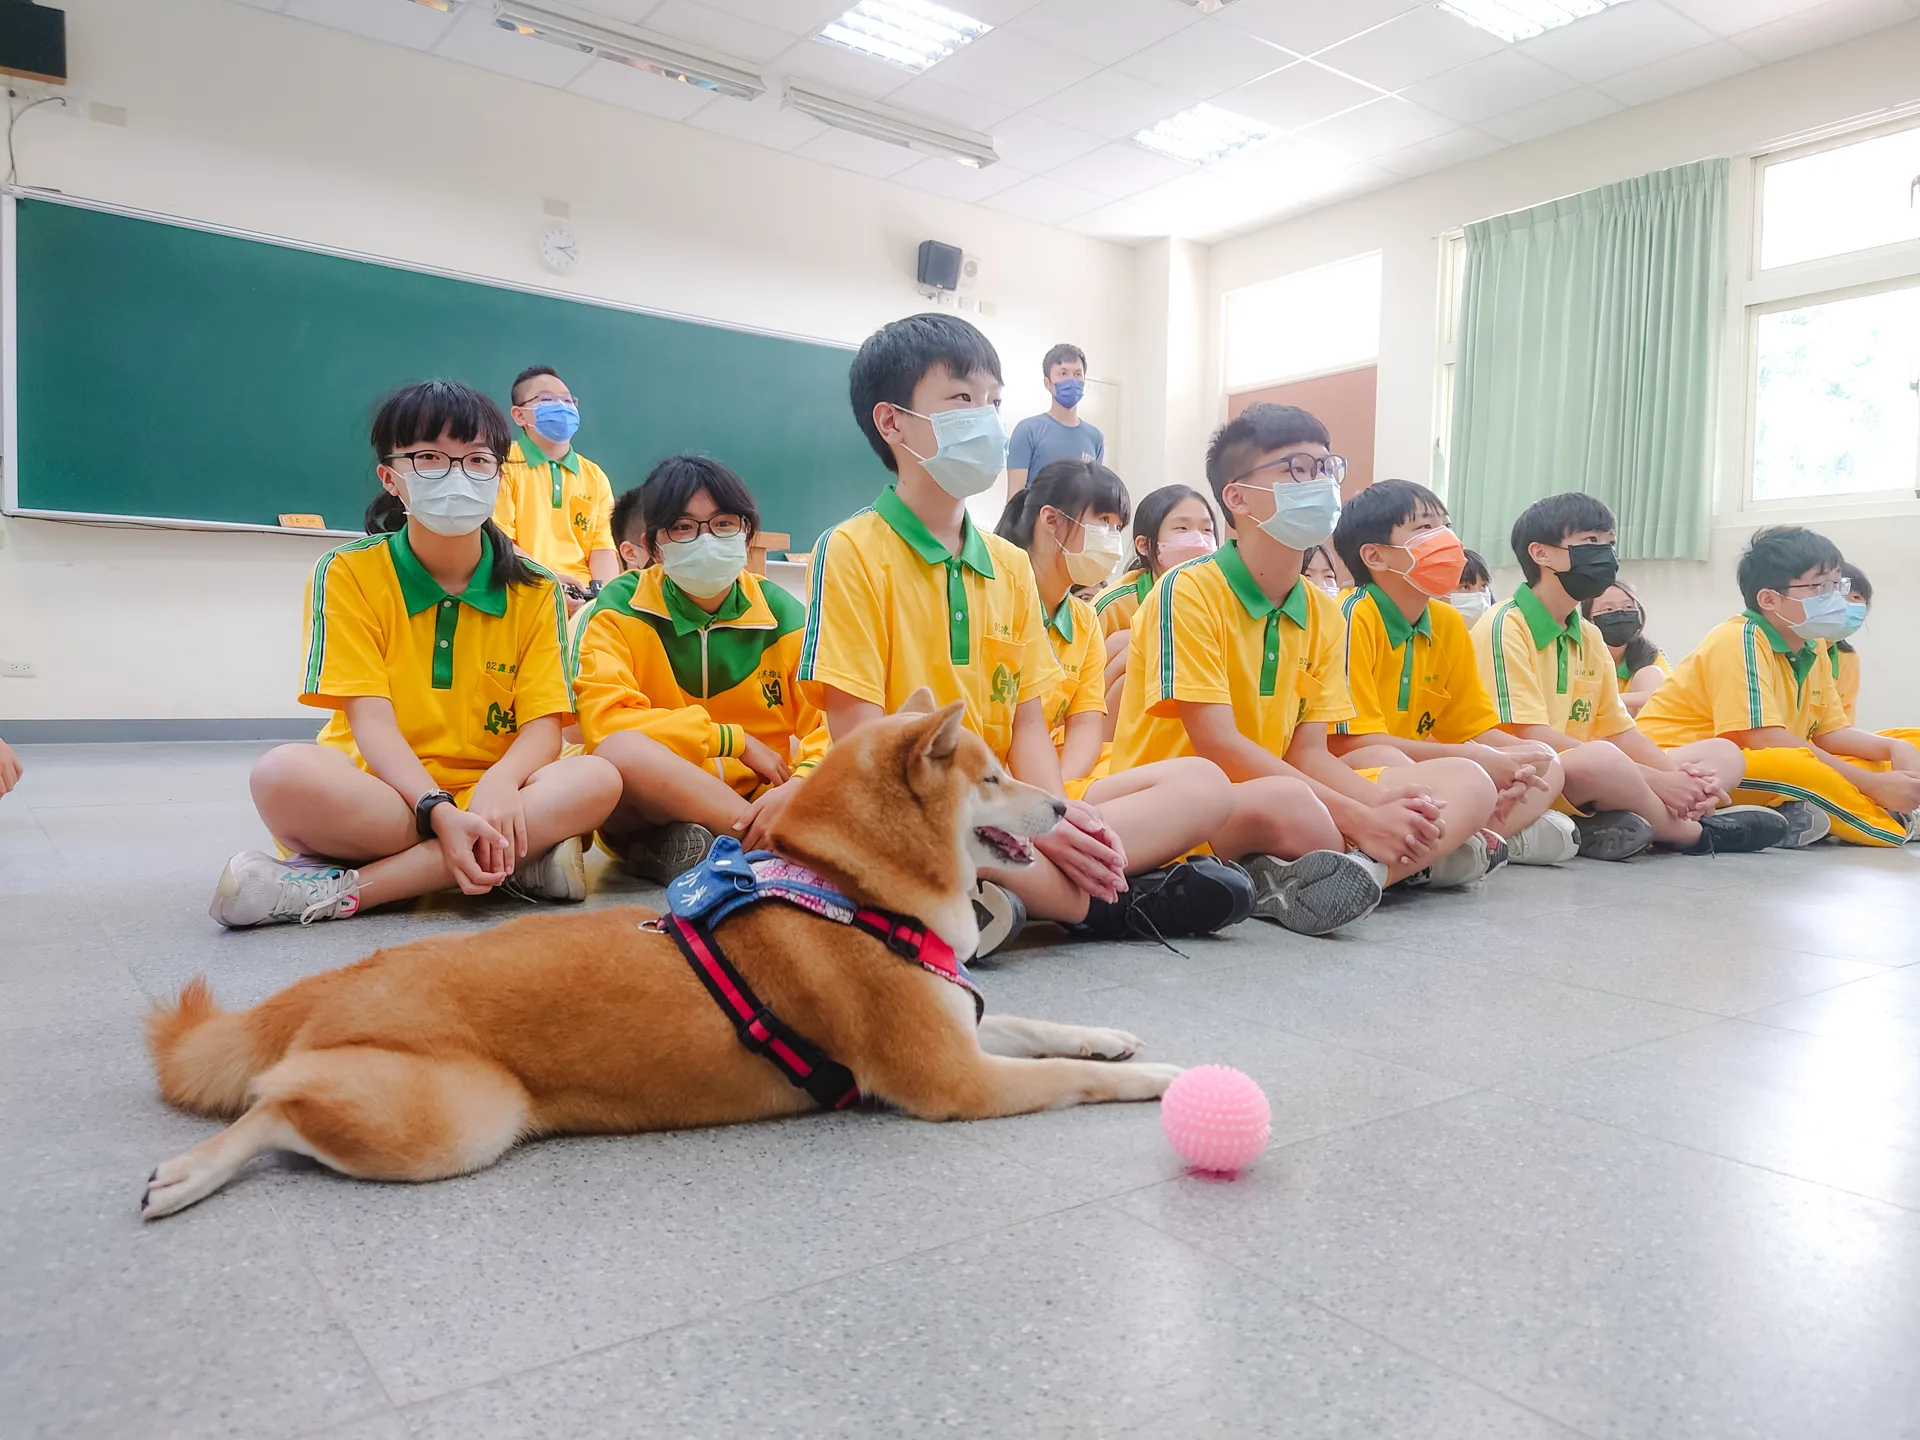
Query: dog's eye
[{"x": 991, "y": 780}]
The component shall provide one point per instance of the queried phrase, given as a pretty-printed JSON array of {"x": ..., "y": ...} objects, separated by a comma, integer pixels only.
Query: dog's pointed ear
[
  {"x": 920, "y": 702},
  {"x": 942, "y": 735}
]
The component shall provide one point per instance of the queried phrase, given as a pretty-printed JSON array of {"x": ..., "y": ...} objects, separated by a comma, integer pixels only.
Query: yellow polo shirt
[
  {"x": 1414, "y": 681},
  {"x": 1542, "y": 672},
  {"x": 1744, "y": 676},
  {"x": 464, "y": 671},
  {"x": 558, "y": 511},
  {"x": 1846, "y": 674},
  {"x": 1079, "y": 648},
  {"x": 890, "y": 610},
  {"x": 1208, "y": 635},
  {"x": 1121, "y": 601},
  {"x": 1624, "y": 675}
]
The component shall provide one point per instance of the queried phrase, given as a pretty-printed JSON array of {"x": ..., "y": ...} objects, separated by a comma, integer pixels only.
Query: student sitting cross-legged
[
  {"x": 1846, "y": 672},
  {"x": 1552, "y": 680},
  {"x": 1639, "y": 666},
  {"x": 442, "y": 655},
  {"x": 686, "y": 672},
  {"x": 1236, "y": 658},
  {"x": 909, "y": 593},
  {"x": 1410, "y": 668},
  {"x": 1764, "y": 681},
  {"x": 1171, "y": 525}
]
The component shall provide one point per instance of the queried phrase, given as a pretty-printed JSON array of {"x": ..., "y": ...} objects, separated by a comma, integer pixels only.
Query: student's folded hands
[
  {"x": 503, "y": 807},
  {"x": 1895, "y": 790},
  {"x": 479, "y": 856},
  {"x": 763, "y": 760},
  {"x": 1514, "y": 772},
  {"x": 1403, "y": 828},
  {"x": 1688, "y": 793},
  {"x": 1084, "y": 848}
]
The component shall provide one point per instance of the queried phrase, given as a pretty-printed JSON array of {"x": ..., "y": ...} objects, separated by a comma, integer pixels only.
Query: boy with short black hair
[
  {"x": 554, "y": 503},
  {"x": 1411, "y": 672},
  {"x": 629, "y": 530},
  {"x": 909, "y": 593},
  {"x": 1237, "y": 658},
  {"x": 1552, "y": 679},
  {"x": 1764, "y": 680},
  {"x": 1058, "y": 432}
]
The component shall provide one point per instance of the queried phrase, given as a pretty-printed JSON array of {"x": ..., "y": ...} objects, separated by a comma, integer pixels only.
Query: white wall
[
  {"x": 256, "y": 120},
  {"x": 1747, "y": 114}
]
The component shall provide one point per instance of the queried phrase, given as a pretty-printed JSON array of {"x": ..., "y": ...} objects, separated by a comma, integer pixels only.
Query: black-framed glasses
[
  {"x": 1304, "y": 468},
  {"x": 434, "y": 464},
  {"x": 1819, "y": 587},
  {"x": 721, "y": 527}
]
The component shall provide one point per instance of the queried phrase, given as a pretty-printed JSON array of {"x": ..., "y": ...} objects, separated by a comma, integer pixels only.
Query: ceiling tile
[
  {"x": 1123, "y": 221},
  {"x": 633, "y": 89},
  {"x": 1728, "y": 17},
  {"x": 960, "y": 182},
  {"x": 1010, "y": 67},
  {"x": 1545, "y": 117},
  {"x": 760, "y": 122},
  {"x": 1279, "y": 165},
  {"x": 1120, "y": 169},
  {"x": 1411, "y": 47},
  {"x": 630, "y": 12},
  {"x": 1111, "y": 104},
  {"x": 1621, "y": 37},
  {"x": 857, "y": 152},
  {"x": 1686, "y": 71},
  {"x": 1305, "y": 26},
  {"x": 1819, "y": 27},
  {"x": 994, "y": 12},
  {"x": 839, "y": 68},
  {"x": 1036, "y": 143},
  {"x": 475, "y": 39},
  {"x": 943, "y": 102},
  {"x": 413, "y": 25},
  {"x": 1200, "y": 206},
  {"x": 795, "y": 17},
  {"x": 1103, "y": 31},
  {"x": 1389, "y": 123},
  {"x": 1501, "y": 82},
  {"x": 264, "y": 4},
  {"x": 1296, "y": 96},
  {"x": 1050, "y": 201},
  {"x": 710, "y": 30},
  {"x": 1456, "y": 147},
  {"x": 1202, "y": 60}
]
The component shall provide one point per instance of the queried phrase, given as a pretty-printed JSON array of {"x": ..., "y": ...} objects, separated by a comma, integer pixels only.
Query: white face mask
[
  {"x": 1100, "y": 551},
  {"x": 706, "y": 565},
  {"x": 454, "y": 504},
  {"x": 970, "y": 452},
  {"x": 1471, "y": 603}
]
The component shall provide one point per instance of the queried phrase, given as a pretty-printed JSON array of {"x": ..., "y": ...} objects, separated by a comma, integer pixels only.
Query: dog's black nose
[{"x": 1059, "y": 809}]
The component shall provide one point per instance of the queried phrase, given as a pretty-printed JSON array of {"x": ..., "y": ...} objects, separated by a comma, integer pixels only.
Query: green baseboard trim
[{"x": 123, "y": 732}]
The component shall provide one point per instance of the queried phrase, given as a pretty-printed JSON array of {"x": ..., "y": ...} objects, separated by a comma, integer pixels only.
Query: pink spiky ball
[{"x": 1216, "y": 1118}]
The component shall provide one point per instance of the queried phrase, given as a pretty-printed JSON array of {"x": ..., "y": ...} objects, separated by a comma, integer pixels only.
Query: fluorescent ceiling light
[
  {"x": 1523, "y": 19},
  {"x": 1205, "y": 7},
  {"x": 1203, "y": 134},
  {"x": 893, "y": 127},
  {"x": 445, "y": 7},
  {"x": 912, "y": 34},
  {"x": 613, "y": 42}
]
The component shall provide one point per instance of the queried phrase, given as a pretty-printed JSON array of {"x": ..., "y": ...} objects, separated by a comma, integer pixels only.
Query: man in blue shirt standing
[{"x": 1059, "y": 434}]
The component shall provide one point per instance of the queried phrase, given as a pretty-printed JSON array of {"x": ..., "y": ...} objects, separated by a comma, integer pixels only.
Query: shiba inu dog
[{"x": 433, "y": 1058}]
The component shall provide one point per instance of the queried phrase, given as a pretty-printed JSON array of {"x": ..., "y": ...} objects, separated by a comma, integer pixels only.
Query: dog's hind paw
[{"x": 1098, "y": 1044}]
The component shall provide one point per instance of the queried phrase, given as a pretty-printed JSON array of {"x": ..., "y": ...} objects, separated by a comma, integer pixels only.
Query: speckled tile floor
[{"x": 1624, "y": 1150}]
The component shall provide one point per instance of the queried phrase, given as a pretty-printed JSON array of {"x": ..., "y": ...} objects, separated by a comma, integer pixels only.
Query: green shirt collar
[
  {"x": 420, "y": 591},
  {"x": 1396, "y": 624},
  {"x": 1541, "y": 625},
  {"x": 689, "y": 618},
  {"x": 1248, "y": 590},
  {"x": 1801, "y": 660},
  {"x": 910, "y": 528},
  {"x": 1061, "y": 620},
  {"x": 534, "y": 455}
]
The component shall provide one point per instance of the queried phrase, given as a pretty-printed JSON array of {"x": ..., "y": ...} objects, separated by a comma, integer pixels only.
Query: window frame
[{"x": 1451, "y": 288}]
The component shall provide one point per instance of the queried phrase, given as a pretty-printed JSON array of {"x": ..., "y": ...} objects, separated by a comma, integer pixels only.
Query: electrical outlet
[{"x": 17, "y": 669}]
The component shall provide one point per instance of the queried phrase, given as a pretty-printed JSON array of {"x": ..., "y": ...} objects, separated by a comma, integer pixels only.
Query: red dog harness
[{"x": 729, "y": 879}]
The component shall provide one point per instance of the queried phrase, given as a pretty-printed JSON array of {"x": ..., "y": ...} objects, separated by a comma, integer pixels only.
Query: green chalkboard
[{"x": 168, "y": 372}]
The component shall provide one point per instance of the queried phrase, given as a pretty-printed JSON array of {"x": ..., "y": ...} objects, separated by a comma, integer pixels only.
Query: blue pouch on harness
[{"x": 725, "y": 875}]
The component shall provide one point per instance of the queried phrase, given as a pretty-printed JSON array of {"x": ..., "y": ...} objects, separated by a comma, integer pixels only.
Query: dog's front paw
[
  {"x": 1098, "y": 1044},
  {"x": 1147, "y": 1082}
]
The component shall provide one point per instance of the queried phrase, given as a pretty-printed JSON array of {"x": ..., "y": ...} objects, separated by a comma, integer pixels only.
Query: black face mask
[
  {"x": 1591, "y": 571},
  {"x": 1618, "y": 627}
]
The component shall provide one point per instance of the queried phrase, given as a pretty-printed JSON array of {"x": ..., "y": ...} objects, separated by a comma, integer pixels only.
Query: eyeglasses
[
  {"x": 1303, "y": 468},
  {"x": 434, "y": 464},
  {"x": 533, "y": 400},
  {"x": 1819, "y": 587},
  {"x": 721, "y": 527}
]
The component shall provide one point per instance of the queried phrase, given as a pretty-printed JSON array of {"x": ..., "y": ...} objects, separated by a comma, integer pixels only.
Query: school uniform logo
[
  {"x": 1006, "y": 685},
  {"x": 771, "y": 689},
  {"x": 1580, "y": 710},
  {"x": 1425, "y": 724},
  {"x": 501, "y": 721}
]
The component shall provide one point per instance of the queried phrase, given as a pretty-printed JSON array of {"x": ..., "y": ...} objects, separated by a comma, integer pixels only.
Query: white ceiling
[{"x": 1367, "y": 92}]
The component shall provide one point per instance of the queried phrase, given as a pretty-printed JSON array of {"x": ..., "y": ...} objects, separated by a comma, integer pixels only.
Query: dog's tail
[{"x": 206, "y": 1057}]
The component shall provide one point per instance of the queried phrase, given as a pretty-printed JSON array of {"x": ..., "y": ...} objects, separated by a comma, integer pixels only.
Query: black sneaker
[
  {"x": 1612, "y": 834},
  {"x": 1193, "y": 897},
  {"x": 1739, "y": 830},
  {"x": 999, "y": 913},
  {"x": 666, "y": 852}
]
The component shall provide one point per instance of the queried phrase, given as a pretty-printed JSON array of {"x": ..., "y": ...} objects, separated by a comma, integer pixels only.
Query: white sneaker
[
  {"x": 1553, "y": 839},
  {"x": 1461, "y": 865},
  {"x": 1000, "y": 914},
  {"x": 558, "y": 875},
  {"x": 256, "y": 889}
]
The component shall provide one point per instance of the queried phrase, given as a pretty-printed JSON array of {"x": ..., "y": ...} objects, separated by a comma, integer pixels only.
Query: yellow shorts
[{"x": 1372, "y": 772}]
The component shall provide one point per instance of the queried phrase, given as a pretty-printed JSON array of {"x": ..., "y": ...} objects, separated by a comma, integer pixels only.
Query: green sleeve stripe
[
  {"x": 1755, "y": 710},
  {"x": 317, "y": 625},
  {"x": 1100, "y": 604},
  {"x": 1346, "y": 651},
  {"x": 816, "y": 586},
  {"x": 1166, "y": 635},
  {"x": 567, "y": 667},
  {"x": 1502, "y": 697}
]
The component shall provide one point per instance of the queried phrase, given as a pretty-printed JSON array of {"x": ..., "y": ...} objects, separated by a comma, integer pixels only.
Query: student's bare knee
[
  {"x": 1282, "y": 815},
  {"x": 1376, "y": 757},
  {"x": 287, "y": 771},
  {"x": 1459, "y": 780},
  {"x": 1201, "y": 785}
]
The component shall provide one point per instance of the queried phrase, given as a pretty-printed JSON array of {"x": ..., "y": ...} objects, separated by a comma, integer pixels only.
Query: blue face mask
[
  {"x": 1304, "y": 514},
  {"x": 971, "y": 450},
  {"x": 555, "y": 420},
  {"x": 1856, "y": 617},
  {"x": 1824, "y": 617},
  {"x": 1068, "y": 392}
]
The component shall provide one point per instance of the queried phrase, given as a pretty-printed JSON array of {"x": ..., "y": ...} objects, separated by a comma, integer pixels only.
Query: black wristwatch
[{"x": 423, "y": 809}]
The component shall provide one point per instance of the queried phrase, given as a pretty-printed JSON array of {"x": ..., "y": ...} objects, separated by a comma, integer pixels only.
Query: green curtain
[{"x": 1588, "y": 348}]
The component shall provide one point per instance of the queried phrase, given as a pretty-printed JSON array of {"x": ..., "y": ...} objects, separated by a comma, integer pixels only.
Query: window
[
  {"x": 1832, "y": 305},
  {"x": 1453, "y": 279},
  {"x": 1316, "y": 322}
]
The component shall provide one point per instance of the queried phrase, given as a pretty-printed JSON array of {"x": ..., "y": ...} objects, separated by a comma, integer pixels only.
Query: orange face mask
[{"x": 1438, "y": 562}]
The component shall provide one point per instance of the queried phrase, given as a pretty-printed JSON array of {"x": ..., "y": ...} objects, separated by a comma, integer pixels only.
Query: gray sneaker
[
  {"x": 667, "y": 852},
  {"x": 1612, "y": 834},
  {"x": 256, "y": 889},
  {"x": 558, "y": 875},
  {"x": 1807, "y": 824},
  {"x": 1314, "y": 895},
  {"x": 999, "y": 913}
]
